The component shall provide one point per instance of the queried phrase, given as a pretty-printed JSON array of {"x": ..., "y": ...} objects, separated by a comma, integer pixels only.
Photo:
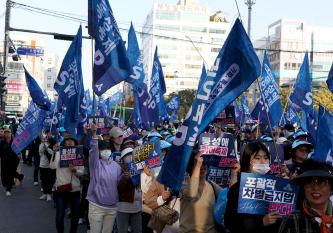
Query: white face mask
[
  {"x": 260, "y": 168},
  {"x": 105, "y": 154}
]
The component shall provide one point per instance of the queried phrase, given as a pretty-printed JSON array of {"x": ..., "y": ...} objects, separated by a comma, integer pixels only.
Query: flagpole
[
  {"x": 92, "y": 74},
  {"x": 269, "y": 123}
]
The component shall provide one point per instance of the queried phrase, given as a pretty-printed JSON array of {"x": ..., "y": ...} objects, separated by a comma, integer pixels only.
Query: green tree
[
  {"x": 324, "y": 97},
  {"x": 186, "y": 99}
]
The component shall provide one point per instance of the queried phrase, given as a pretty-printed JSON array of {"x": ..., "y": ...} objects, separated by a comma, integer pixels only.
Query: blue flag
[
  {"x": 111, "y": 65},
  {"x": 309, "y": 124},
  {"x": 114, "y": 100},
  {"x": 155, "y": 104},
  {"x": 270, "y": 93},
  {"x": 235, "y": 68},
  {"x": 140, "y": 91},
  {"x": 329, "y": 80},
  {"x": 259, "y": 113},
  {"x": 246, "y": 115},
  {"x": 203, "y": 76},
  {"x": 69, "y": 86},
  {"x": 302, "y": 94},
  {"x": 290, "y": 117},
  {"x": 173, "y": 107},
  {"x": 38, "y": 96},
  {"x": 29, "y": 128},
  {"x": 238, "y": 113},
  {"x": 324, "y": 147}
]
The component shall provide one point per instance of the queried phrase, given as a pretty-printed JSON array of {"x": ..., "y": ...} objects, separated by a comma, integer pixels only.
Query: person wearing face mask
[
  {"x": 315, "y": 215},
  {"x": 102, "y": 194},
  {"x": 255, "y": 159},
  {"x": 130, "y": 198},
  {"x": 116, "y": 139}
]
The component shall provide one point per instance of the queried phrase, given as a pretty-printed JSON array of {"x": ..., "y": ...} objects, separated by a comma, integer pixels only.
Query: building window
[
  {"x": 217, "y": 31},
  {"x": 48, "y": 85},
  {"x": 49, "y": 69},
  {"x": 194, "y": 29},
  {"x": 181, "y": 83},
  {"x": 215, "y": 50},
  {"x": 293, "y": 66},
  {"x": 189, "y": 66}
]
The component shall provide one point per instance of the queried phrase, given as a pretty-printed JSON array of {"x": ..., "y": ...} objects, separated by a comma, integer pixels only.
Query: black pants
[
  {"x": 84, "y": 204},
  {"x": 46, "y": 177},
  {"x": 145, "y": 220},
  {"x": 36, "y": 167},
  {"x": 8, "y": 172},
  {"x": 62, "y": 199}
]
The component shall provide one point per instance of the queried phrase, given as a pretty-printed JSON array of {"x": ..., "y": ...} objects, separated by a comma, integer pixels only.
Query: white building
[
  {"x": 51, "y": 66},
  {"x": 185, "y": 33},
  {"x": 287, "y": 41}
]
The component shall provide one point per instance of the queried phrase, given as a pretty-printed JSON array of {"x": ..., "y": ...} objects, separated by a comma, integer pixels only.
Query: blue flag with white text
[
  {"x": 140, "y": 91},
  {"x": 246, "y": 115},
  {"x": 324, "y": 144},
  {"x": 290, "y": 117},
  {"x": 302, "y": 93},
  {"x": 329, "y": 80},
  {"x": 111, "y": 64},
  {"x": 270, "y": 93},
  {"x": 29, "y": 128},
  {"x": 235, "y": 69},
  {"x": 155, "y": 103},
  {"x": 38, "y": 96},
  {"x": 69, "y": 86}
]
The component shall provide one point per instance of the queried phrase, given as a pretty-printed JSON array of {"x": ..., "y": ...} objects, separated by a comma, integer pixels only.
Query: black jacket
[{"x": 243, "y": 223}]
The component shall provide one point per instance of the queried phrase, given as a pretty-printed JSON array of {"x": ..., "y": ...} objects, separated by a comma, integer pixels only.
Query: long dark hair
[{"x": 250, "y": 149}]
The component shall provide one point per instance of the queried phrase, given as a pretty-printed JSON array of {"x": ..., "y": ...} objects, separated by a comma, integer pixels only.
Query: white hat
[
  {"x": 281, "y": 140},
  {"x": 116, "y": 132},
  {"x": 125, "y": 152}
]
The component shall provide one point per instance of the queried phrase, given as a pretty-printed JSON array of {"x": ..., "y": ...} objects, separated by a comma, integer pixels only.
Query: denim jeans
[
  {"x": 127, "y": 219},
  {"x": 101, "y": 220},
  {"x": 62, "y": 199}
]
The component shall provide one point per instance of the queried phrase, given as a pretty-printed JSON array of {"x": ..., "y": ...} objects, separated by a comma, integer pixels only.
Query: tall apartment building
[
  {"x": 288, "y": 39},
  {"x": 185, "y": 33},
  {"x": 51, "y": 66}
]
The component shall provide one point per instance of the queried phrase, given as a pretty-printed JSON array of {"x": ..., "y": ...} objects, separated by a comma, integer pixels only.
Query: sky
[{"x": 264, "y": 13}]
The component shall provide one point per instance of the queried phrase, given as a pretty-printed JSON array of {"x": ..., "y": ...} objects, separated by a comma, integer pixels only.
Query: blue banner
[
  {"x": 203, "y": 76},
  {"x": 302, "y": 94},
  {"x": 329, "y": 80},
  {"x": 263, "y": 194},
  {"x": 324, "y": 145},
  {"x": 69, "y": 86},
  {"x": 38, "y": 96},
  {"x": 235, "y": 68},
  {"x": 111, "y": 65},
  {"x": 29, "y": 128},
  {"x": 173, "y": 105},
  {"x": 270, "y": 93}
]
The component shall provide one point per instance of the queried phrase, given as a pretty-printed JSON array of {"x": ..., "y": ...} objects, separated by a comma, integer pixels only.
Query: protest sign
[
  {"x": 101, "y": 122},
  {"x": 262, "y": 194},
  {"x": 277, "y": 156},
  {"x": 149, "y": 154},
  {"x": 71, "y": 155},
  {"x": 227, "y": 116},
  {"x": 128, "y": 132},
  {"x": 219, "y": 155}
]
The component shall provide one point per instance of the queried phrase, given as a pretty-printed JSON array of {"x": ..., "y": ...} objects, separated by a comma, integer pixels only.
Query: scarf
[{"x": 325, "y": 220}]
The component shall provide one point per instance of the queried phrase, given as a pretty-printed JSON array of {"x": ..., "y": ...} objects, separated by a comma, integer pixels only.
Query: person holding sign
[
  {"x": 316, "y": 180},
  {"x": 197, "y": 199},
  {"x": 255, "y": 159},
  {"x": 102, "y": 194},
  {"x": 68, "y": 187},
  {"x": 130, "y": 196}
]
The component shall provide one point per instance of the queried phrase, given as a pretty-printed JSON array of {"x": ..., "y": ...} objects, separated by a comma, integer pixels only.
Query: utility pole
[
  {"x": 249, "y": 4},
  {"x": 7, "y": 27}
]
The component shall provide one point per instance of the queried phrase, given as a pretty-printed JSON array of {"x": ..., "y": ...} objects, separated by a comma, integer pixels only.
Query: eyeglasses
[{"x": 321, "y": 182}]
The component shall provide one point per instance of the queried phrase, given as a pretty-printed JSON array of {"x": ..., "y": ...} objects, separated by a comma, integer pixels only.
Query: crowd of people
[{"x": 102, "y": 194}]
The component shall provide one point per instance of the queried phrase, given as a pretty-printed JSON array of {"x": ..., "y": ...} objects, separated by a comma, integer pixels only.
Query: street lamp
[{"x": 249, "y": 4}]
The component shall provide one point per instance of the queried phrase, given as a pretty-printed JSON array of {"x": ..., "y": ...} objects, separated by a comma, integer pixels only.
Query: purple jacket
[{"x": 104, "y": 178}]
